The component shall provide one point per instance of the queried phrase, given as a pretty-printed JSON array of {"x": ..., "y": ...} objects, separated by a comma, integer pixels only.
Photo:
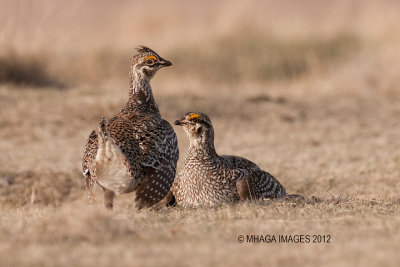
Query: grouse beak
[
  {"x": 164, "y": 63},
  {"x": 180, "y": 122}
]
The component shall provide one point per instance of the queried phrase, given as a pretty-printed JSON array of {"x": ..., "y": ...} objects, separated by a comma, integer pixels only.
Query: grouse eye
[
  {"x": 149, "y": 62},
  {"x": 196, "y": 120}
]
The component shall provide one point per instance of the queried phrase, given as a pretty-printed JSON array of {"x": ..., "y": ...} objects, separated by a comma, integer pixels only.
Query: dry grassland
[{"x": 309, "y": 90}]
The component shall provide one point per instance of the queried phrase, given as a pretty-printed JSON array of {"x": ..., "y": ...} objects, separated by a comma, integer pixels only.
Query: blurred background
[
  {"x": 307, "y": 89},
  {"x": 52, "y": 43}
]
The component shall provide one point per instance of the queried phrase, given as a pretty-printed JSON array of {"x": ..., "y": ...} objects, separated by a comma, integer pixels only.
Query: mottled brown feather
[
  {"x": 207, "y": 179},
  {"x": 147, "y": 142}
]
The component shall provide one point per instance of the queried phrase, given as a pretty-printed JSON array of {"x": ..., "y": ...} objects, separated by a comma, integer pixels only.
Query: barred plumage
[
  {"x": 135, "y": 150},
  {"x": 207, "y": 179}
]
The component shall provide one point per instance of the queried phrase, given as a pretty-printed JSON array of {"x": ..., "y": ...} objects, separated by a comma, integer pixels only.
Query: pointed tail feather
[{"x": 103, "y": 127}]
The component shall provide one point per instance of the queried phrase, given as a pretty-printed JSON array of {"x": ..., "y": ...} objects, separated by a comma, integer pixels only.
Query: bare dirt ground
[{"x": 307, "y": 90}]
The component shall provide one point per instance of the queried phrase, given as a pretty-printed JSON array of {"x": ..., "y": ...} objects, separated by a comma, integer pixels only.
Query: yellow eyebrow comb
[
  {"x": 193, "y": 116},
  {"x": 151, "y": 57}
]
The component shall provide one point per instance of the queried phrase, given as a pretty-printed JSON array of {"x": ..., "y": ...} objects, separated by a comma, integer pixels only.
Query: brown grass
[
  {"x": 308, "y": 90},
  {"x": 27, "y": 71},
  {"x": 262, "y": 58}
]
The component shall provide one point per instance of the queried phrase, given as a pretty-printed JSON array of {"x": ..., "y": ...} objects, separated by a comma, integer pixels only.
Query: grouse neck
[
  {"x": 203, "y": 148},
  {"x": 140, "y": 94}
]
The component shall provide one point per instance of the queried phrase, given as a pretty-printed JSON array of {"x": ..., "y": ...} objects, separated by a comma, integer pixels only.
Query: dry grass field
[{"x": 309, "y": 90}]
